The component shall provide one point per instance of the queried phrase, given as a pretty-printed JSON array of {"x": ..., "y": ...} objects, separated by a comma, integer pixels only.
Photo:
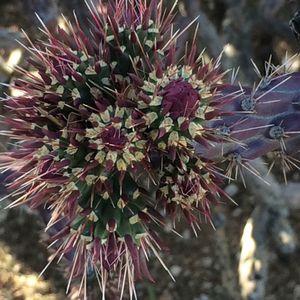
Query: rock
[{"x": 202, "y": 297}]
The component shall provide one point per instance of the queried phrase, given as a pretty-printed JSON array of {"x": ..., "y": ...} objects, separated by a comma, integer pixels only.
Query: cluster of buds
[{"x": 109, "y": 136}]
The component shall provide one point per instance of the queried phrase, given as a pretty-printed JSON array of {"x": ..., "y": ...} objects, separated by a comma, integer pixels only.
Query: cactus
[
  {"x": 113, "y": 136},
  {"x": 264, "y": 120}
]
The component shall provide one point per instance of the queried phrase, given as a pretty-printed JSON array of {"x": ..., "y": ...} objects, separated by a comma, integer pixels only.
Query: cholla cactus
[
  {"x": 264, "y": 119},
  {"x": 108, "y": 134}
]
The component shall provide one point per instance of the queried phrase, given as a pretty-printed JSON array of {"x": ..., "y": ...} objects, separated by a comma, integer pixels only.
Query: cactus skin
[
  {"x": 113, "y": 137},
  {"x": 257, "y": 122}
]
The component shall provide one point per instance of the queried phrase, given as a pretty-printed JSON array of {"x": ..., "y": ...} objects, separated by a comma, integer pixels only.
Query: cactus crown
[{"x": 105, "y": 132}]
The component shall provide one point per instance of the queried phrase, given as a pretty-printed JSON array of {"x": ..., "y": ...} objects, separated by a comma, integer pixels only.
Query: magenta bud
[
  {"x": 144, "y": 97},
  {"x": 97, "y": 67},
  {"x": 111, "y": 225},
  {"x": 136, "y": 79},
  {"x": 46, "y": 78}
]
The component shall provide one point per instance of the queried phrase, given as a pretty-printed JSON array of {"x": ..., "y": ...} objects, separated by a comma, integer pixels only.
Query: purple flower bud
[
  {"x": 180, "y": 99},
  {"x": 113, "y": 138}
]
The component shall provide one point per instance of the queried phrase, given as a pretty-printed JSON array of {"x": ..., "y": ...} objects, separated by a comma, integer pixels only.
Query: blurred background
[{"x": 252, "y": 253}]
